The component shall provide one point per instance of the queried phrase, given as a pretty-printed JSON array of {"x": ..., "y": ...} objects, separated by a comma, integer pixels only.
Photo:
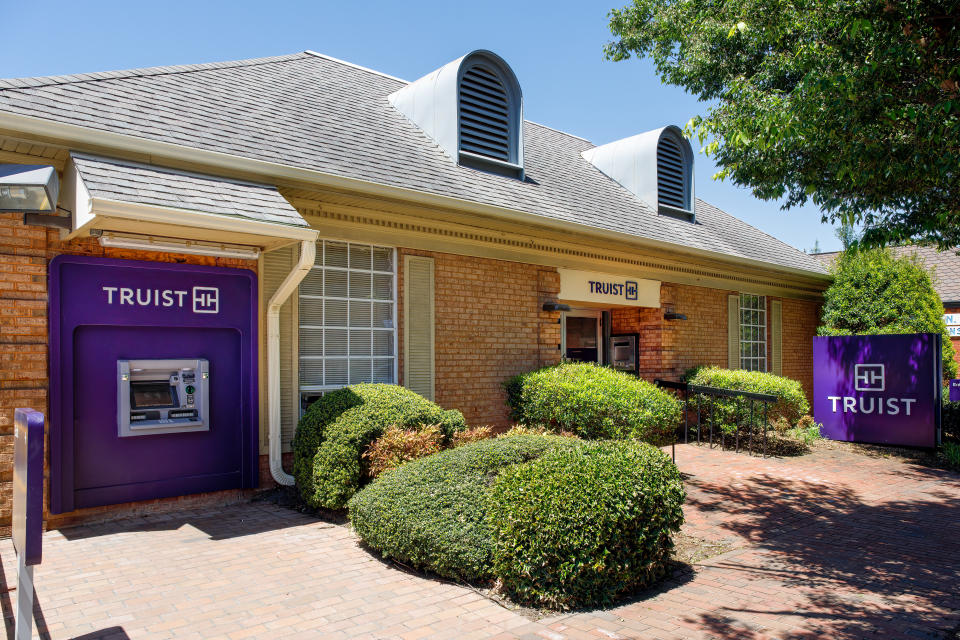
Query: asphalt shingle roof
[
  {"x": 945, "y": 266},
  {"x": 313, "y": 112},
  {"x": 123, "y": 181}
]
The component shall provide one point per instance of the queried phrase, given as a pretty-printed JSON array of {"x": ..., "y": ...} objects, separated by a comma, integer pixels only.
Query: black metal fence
[{"x": 749, "y": 414}]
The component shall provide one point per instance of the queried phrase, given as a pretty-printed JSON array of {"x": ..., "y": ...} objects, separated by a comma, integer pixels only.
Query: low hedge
[
  {"x": 338, "y": 428},
  {"x": 431, "y": 513},
  {"x": 594, "y": 402},
  {"x": 791, "y": 404},
  {"x": 582, "y": 525}
]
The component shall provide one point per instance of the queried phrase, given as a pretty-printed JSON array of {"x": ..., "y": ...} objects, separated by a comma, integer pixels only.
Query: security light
[
  {"x": 28, "y": 188},
  {"x": 555, "y": 306}
]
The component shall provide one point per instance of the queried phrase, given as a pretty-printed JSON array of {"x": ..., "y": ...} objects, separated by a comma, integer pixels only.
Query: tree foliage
[
  {"x": 851, "y": 104},
  {"x": 874, "y": 292}
]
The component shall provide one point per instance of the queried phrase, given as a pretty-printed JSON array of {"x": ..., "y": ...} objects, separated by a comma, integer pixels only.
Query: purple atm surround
[
  {"x": 103, "y": 310},
  {"x": 881, "y": 389}
]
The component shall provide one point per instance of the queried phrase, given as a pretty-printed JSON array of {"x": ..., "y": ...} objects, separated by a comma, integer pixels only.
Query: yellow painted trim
[{"x": 406, "y": 230}]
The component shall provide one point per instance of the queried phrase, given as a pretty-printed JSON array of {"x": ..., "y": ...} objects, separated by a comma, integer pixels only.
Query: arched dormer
[
  {"x": 656, "y": 166},
  {"x": 473, "y": 109}
]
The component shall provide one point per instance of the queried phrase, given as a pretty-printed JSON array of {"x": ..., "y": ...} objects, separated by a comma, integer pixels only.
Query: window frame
[
  {"x": 754, "y": 359},
  {"x": 307, "y": 392}
]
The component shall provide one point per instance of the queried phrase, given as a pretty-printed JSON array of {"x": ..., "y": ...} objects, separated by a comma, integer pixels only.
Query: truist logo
[
  {"x": 870, "y": 378},
  {"x": 202, "y": 299}
]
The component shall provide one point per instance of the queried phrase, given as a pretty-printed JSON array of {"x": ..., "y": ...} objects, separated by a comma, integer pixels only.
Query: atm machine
[
  {"x": 162, "y": 396},
  {"x": 625, "y": 352}
]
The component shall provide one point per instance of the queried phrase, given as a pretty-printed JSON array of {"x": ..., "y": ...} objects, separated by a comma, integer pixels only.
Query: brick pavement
[{"x": 832, "y": 545}]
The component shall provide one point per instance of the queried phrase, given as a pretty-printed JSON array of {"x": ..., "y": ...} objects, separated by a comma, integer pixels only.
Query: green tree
[
  {"x": 851, "y": 104},
  {"x": 874, "y": 292}
]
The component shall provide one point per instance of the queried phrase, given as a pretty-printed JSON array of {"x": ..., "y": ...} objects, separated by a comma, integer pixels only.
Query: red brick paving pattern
[{"x": 832, "y": 545}]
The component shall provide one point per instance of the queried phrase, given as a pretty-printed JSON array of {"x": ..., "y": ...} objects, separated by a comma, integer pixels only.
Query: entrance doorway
[{"x": 582, "y": 335}]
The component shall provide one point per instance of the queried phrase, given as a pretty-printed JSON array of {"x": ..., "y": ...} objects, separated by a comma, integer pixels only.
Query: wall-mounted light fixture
[
  {"x": 172, "y": 245},
  {"x": 670, "y": 312},
  {"x": 28, "y": 188},
  {"x": 555, "y": 306}
]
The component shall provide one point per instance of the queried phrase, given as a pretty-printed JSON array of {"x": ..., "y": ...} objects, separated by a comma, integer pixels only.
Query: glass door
[{"x": 582, "y": 337}]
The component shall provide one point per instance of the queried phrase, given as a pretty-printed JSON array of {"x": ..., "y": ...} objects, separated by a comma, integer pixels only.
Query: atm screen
[{"x": 147, "y": 395}]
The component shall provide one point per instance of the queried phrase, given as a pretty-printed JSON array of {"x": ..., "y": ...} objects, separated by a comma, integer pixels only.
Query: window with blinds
[
  {"x": 753, "y": 332},
  {"x": 347, "y": 318}
]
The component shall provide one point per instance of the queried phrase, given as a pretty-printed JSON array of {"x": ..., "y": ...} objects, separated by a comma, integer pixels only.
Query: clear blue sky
[{"x": 555, "y": 48}]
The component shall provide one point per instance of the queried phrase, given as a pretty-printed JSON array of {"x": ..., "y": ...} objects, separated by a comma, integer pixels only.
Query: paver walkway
[{"x": 832, "y": 545}]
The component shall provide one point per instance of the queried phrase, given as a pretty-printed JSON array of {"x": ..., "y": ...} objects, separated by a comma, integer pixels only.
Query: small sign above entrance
[{"x": 608, "y": 289}]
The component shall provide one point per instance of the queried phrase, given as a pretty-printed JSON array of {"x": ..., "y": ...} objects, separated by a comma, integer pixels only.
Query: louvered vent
[
  {"x": 484, "y": 115},
  {"x": 671, "y": 174}
]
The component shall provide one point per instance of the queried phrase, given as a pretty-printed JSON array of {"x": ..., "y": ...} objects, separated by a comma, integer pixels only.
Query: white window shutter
[
  {"x": 733, "y": 331},
  {"x": 277, "y": 265},
  {"x": 418, "y": 325},
  {"x": 776, "y": 337}
]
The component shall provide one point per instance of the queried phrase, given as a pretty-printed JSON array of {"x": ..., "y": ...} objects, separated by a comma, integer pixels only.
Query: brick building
[{"x": 416, "y": 233}]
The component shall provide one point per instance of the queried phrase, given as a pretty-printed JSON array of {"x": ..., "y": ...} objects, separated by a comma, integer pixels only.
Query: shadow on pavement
[{"x": 850, "y": 568}]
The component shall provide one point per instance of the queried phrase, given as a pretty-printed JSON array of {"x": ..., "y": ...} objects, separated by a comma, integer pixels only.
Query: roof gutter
[
  {"x": 100, "y": 140},
  {"x": 308, "y": 251}
]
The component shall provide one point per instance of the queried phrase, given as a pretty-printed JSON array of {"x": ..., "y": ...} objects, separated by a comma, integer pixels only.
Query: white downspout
[{"x": 308, "y": 252}]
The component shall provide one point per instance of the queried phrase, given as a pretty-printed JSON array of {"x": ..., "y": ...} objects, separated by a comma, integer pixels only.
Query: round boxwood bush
[
  {"x": 594, "y": 402},
  {"x": 430, "y": 513},
  {"x": 335, "y": 431},
  {"x": 583, "y": 525}
]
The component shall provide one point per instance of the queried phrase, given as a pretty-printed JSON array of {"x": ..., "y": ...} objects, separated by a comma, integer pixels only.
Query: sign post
[{"x": 27, "y": 511}]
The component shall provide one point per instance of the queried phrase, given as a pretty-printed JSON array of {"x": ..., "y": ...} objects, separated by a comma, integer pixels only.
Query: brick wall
[
  {"x": 489, "y": 326},
  {"x": 800, "y": 320},
  {"x": 670, "y": 347},
  {"x": 25, "y": 253}
]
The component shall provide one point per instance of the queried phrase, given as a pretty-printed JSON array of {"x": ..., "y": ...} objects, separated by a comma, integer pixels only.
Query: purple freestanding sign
[
  {"x": 104, "y": 312},
  {"x": 882, "y": 389}
]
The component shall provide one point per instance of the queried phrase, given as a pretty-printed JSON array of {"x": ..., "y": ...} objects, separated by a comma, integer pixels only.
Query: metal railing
[{"x": 706, "y": 399}]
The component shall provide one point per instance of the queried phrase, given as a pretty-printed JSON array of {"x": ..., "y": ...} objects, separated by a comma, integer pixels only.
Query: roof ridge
[
  {"x": 566, "y": 133},
  {"x": 42, "y": 81},
  {"x": 354, "y": 65},
  {"x": 165, "y": 169}
]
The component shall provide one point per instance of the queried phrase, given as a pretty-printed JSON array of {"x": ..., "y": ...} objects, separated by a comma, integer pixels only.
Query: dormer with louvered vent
[
  {"x": 473, "y": 109},
  {"x": 656, "y": 166}
]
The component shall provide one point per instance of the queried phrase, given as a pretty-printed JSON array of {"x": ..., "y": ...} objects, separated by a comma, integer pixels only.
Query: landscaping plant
[
  {"x": 594, "y": 402},
  {"x": 790, "y": 406},
  {"x": 397, "y": 446},
  {"x": 875, "y": 293},
  {"x": 337, "y": 429},
  {"x": 582, "y": 525},
  {"x": 431, "y": 513}
]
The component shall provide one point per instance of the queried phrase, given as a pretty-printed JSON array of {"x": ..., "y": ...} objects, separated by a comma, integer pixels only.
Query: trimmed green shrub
[
  {"x": 338, "y": 428},
  {"x": 791, "y": 402},
  {"x": 581, "y": 526},
  {"x": 951, "y": 453},
  {"x": 431, "y": 513},
  {"x": 594, "y": 402},
  {"x": 875, "y": 293}
]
